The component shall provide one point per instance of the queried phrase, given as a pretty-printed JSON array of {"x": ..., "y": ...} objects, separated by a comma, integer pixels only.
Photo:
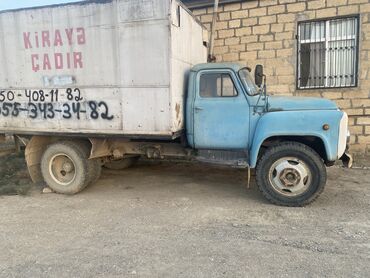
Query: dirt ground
[{"x": 183, "y": 220}]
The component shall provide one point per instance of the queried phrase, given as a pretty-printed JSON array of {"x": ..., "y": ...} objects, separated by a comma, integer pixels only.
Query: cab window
[{"x": 214, "y": 85}]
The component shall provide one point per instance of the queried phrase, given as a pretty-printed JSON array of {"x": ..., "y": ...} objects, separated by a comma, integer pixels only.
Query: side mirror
[{"x": 258, "y": 75}]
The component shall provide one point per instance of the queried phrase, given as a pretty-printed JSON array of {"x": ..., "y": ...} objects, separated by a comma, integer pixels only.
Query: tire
[
  {"x": 96, "y": 170},
  {"x": 94, "y": 165},
  {"x": 121, "y": 164},
  {"x": 291, "y": 174},
  {"x": 65, "y": 167}
]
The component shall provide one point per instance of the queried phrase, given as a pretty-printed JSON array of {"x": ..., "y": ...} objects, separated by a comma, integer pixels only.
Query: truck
[{"x": 105, "y": 82}]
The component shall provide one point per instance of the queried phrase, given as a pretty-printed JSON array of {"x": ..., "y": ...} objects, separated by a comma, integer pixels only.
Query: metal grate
[{"x": 328, "y": 53}]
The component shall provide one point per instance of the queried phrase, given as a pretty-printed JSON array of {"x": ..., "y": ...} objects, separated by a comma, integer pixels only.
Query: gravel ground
[{"x": 186, "y": 220}]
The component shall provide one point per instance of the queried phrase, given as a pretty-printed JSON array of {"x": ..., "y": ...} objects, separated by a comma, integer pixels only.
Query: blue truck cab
[{"x": 289, "y": 140}]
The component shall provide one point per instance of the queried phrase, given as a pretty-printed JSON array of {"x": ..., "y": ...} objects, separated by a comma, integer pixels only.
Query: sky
[{"x": 15, "y": 4}]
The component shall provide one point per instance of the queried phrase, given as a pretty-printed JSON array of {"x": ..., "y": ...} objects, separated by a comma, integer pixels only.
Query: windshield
[{"x": 248, "y": 82}]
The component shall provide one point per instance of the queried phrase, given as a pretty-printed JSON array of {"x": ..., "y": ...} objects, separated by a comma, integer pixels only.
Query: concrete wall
[{"x": 264, "y": 32}]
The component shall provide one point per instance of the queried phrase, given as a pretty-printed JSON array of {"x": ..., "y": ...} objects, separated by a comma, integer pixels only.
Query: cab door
[{"x": 221, "y": 112}]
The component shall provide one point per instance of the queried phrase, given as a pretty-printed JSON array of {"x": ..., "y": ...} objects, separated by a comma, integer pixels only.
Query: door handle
[{"x": 198, "y": 108}]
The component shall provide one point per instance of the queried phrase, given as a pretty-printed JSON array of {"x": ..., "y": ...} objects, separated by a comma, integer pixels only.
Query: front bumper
[{"x": 346, "y": 158}]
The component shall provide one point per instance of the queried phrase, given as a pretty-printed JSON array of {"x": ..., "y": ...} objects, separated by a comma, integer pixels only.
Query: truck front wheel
[
  {"x": 291, "y": 174},
  {"x": 65, "y": 167}
]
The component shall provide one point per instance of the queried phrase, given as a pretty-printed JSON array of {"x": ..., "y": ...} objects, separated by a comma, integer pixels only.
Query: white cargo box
[{"x": 98, "y": 67}]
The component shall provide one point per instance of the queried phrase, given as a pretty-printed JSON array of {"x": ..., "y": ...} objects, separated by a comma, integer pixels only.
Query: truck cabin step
[{"x": 238, "y": 158}]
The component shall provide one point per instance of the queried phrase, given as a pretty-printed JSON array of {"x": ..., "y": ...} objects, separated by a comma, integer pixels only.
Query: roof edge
[
  {"x": 194, "y": 4},
  {"x": 77, "y": 2}
]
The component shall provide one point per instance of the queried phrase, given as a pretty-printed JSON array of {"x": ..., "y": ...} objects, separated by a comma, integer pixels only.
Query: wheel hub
[
  {"x": 62, "y": 169},
  {"x": 290, "y": 176},
  {"x": 67, "y": 167}
]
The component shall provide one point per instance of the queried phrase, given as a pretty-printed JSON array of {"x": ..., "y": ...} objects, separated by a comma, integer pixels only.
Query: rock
[{"x": 47, "y": 190}]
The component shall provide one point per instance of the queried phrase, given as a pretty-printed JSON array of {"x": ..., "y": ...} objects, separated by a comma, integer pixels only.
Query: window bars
[{"x": 328, "y": 53}]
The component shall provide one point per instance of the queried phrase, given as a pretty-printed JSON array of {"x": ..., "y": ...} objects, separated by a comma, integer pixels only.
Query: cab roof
[{"x": 206, "y": 66}]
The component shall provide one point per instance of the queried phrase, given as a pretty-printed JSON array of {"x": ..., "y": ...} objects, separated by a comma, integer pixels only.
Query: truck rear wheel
[
  {"x": 96, "y": 169},
  {"x": 94, "y": 165},
  {"x": 121, "y": 164},
  {"x": 291, "y": 174},
  {"x": 65, "y": 167}
]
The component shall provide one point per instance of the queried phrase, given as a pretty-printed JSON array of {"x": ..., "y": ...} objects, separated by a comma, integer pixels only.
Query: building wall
[{"x": 264, "y": 32}]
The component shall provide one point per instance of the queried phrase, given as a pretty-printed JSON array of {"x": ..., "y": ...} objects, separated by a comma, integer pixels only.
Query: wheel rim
[
  {"x": 290, "y": 176},
  {"x": 62, "y": 169}
]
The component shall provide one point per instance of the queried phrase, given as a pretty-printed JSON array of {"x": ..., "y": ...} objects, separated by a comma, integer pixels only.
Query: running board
[{"x": 220, "y": 157}]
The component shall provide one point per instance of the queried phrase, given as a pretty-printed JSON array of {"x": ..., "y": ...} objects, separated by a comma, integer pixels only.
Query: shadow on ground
[{"x": 14, "y": 179}]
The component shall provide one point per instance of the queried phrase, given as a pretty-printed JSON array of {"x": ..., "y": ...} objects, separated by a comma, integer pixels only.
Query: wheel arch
[{"x": 317, "y": 143}]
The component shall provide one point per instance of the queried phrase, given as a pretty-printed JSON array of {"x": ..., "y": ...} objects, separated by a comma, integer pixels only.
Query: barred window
[{"x": 328, "y": 53}]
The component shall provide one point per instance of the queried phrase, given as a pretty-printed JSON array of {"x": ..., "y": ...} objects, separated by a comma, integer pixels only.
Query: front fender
[{"x": 298, "y": 123}]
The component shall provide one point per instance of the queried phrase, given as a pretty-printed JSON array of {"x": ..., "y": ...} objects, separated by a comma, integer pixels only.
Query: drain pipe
[{"x": 211, "y": 56}]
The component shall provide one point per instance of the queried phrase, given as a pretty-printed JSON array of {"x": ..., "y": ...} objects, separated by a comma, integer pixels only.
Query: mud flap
[
  {"x": 34, "y": 150},
  {"x": 347, "y": 160}
]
